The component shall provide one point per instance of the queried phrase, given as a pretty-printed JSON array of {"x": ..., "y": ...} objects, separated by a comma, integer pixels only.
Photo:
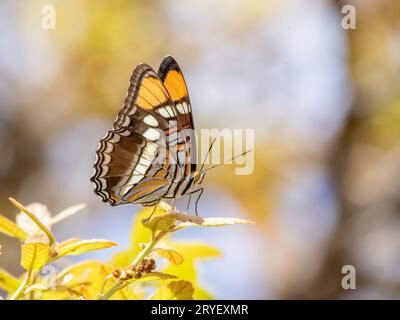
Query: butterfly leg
[
  {"x": 172, "y": 205},
  {"x": 154, "y": 210},
  {"x": 188, "y": 205},
  {"x": 197, "y": 200}
]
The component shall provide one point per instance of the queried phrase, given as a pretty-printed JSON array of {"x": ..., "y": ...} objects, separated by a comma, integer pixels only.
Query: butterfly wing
[
  {"x": 133, "y": 162},
  {"x": 172, "y": 77}
]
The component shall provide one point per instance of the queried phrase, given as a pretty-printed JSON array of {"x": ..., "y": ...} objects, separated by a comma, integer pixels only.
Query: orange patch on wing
[
  {"x": 163, "y": 172},
  {"x": 188, "y": 165},
  {"x": 151, "y": 93},
  {"x": 175, "y": 84},
  {"x": 170, "y": 131}
]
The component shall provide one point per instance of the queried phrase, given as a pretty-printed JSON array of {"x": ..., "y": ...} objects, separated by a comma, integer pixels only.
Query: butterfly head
[{"x": 198, "y": 176}]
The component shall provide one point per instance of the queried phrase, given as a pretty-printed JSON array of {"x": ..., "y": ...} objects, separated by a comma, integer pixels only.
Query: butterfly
[{"x": 150, "y": 153}]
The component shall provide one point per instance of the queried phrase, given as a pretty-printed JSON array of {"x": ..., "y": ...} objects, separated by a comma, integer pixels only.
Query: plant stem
[
  {"x": 117, "y": 286},
  {"x": 17, "y": 294},
  {"x": 31, "y": 294},
  {"x": 120, "y": 284},
  {"x": 142, "y": 254}
]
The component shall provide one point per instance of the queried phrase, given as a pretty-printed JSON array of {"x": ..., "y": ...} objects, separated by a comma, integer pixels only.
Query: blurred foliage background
[{"x": 324, "y": 103}]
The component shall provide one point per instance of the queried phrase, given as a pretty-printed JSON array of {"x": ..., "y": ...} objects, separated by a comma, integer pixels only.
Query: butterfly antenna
[
  {"x": 225, "y": 161},
  {"x": 208, "y": 151}
]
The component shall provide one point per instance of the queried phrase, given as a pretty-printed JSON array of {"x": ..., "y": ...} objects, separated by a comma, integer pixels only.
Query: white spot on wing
[
  {"x": 140, "y": 168},
  {"x": 183, "y": 107},
  {"x": 151, "y": 148},
  {"x": 150, "y": 120},
  {"x": 163, "y": 112},
  {"x": 170, "y": 111},
  {"x": 144, "y": 161},
  {"x": 152, "y": 134},
  {"x": 135, "y": 178},
  {"x": 180, "y": 108},
  {"x": 166, "y": 112},
  {"x": 186, "y": 107}
]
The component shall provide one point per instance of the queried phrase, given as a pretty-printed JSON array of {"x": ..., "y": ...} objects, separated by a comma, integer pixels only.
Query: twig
[{"x": 120, "y": 284}]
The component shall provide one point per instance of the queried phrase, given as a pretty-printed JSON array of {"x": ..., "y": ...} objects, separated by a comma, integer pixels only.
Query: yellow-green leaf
[
  {"x": 185, "y": 217},
  {"x": 40, "y": 211},
  {"x": 127, "y": 293},
  {"x": 37, "y": 286},
  {"x": 192, "y": 252},
  {"x": 176, "y": 290},
  {"x": 10, "y": 228},
  {"x": 162, "y": 222},
  {"x": 91, "y": 275},
  {"x": 214, "y": 222},
  {"x": 34, "y": 255},
  {"x": 67, "y": 242},
  {"x": 123, "y": 258},
  {"x": 138, "y": 235},
  {"x": 171, "y": 255},
  {"x": 35, "y": 219},
  {"x": 8, "y": 282},
  {"x": 77, "y": 271},
  {"x": 75, "y": 247},
  {"x": 152, "y": 276}
]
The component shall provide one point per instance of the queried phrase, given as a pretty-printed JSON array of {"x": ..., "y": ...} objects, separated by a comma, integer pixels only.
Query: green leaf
[
  {"x": 35, "y": 219},
  {"x": 138, "y": 235},
  {"x": 34, "y": 255},
  {"x": 66, "y": 242},
  {"x": 37, "y": 286},
  {"x": 9, "y": 228},
  {"x": 76, "y": 272},
  {"x": 193, "y": 252},
  {"x": 152, "y": 276},
  {"x": 91, "y": 275},
  {"x": 171, "y": 255},
  {"x": 77, "y": 246},
  {"x": 127, "y": 293},
  {"x": 8, "y": 282},
  {"x": 161, "y": 222},
  {"x": 213, "y": 222},
  {"x": 40, "y": 211},
  {"x": 176, "y": 290},
  {"x": 123, "y": 258}
]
